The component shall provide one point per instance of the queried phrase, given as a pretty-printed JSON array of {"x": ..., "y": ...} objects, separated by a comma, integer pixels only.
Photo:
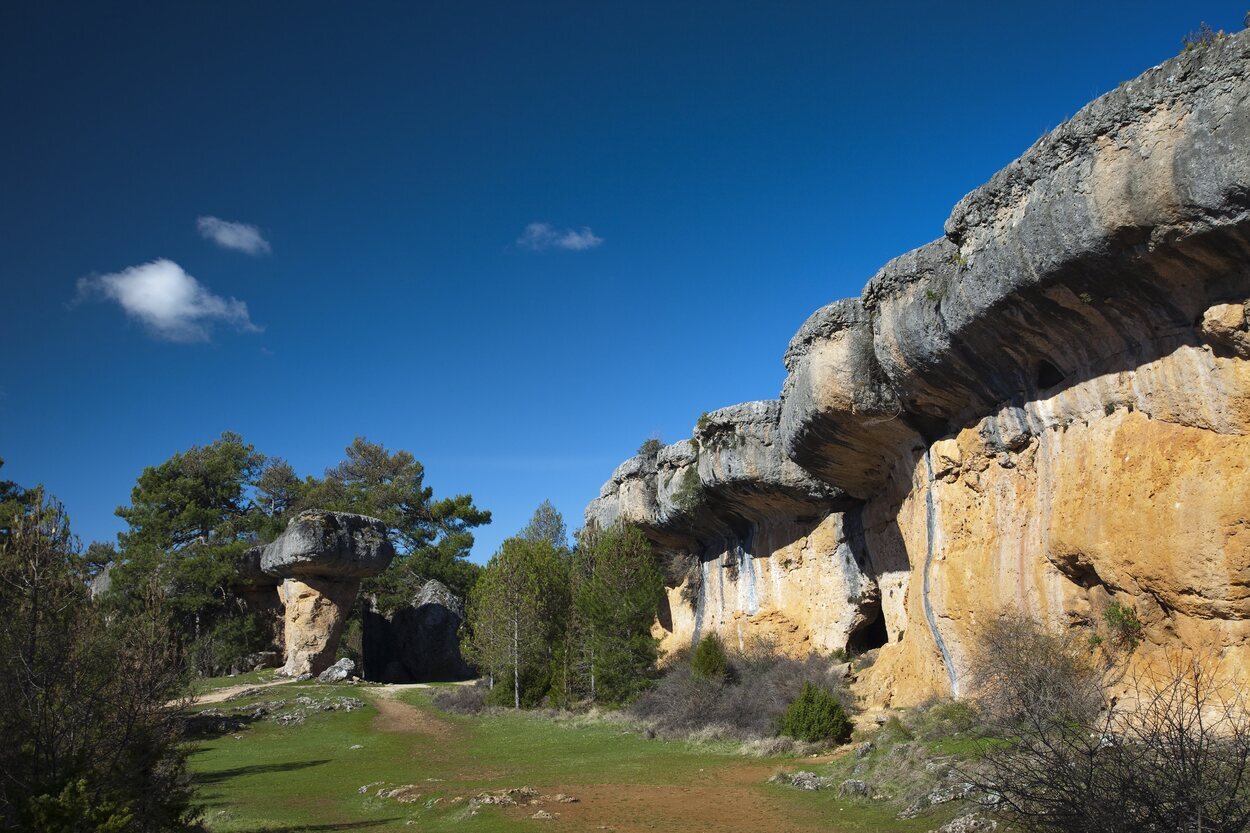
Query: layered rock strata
[
  {"x": 320, "y": 559},
  {"x": 1047, "y": 409}
]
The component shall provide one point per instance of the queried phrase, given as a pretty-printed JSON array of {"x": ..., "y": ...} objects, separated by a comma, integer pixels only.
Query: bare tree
[{"x": 1171, "y": 756}]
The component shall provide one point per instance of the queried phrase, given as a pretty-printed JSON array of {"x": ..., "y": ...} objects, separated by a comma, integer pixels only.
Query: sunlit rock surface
[
  {"x": 1047, "y": 409},
  {"x": 321, "y": 558}
]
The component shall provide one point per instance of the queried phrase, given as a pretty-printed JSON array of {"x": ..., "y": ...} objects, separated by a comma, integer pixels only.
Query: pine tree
[
  {"x": 616, "y": 591},
  {"x": 516, "y": 614}
]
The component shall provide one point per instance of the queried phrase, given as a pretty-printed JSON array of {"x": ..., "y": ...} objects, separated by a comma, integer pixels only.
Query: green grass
[
  {"x": 524, "y": 747},
  {"x": 203, "y": 685},
  {"x": 281, "y": 779}
]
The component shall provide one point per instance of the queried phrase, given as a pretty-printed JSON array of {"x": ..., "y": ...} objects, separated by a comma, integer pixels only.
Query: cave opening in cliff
[
  {"x": 1048, "y": 375},
  {"x": 869, "y": 635}
]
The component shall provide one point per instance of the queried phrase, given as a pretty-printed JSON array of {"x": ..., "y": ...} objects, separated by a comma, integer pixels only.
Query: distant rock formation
[
  {"x": 1047, "y": 409},
  {"x": 321, "y": 558},
  {"x": 418, "y": 643}
]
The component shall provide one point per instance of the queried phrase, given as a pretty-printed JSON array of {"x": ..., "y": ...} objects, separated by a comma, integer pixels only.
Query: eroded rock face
[
  {"x": 1048, "y": 410},
  {"x": 337, "y": 545},
  {"x": 321, "y": 558}
]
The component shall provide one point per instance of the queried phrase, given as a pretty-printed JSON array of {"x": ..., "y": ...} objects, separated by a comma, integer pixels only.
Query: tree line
[
  {"x": 191, "y": 519},
  {"x": 549, "y": 622},
  {"x": 90, "y": 741}
]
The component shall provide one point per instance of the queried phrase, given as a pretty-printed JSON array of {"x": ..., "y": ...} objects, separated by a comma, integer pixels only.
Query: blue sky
[{"x": 695, "y": 178}]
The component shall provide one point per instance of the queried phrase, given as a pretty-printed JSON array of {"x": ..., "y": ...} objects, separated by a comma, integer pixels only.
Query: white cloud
[
  {"x": 172, "y": 304},
  {"x": 542, "y": 236},
  {"x": 238, "y": 236}
]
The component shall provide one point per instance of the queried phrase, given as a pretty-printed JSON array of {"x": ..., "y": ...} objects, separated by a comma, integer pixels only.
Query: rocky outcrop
[
  {"x": 1048, "y": 409},
  {"x": 752, "y": 543},
  {"x": 418, "y": 643},
  {"x": 321, "y": 558}
]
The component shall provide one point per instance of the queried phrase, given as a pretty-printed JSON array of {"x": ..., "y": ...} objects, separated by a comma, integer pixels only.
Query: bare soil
[
  {"x": 724, "y": 798},
  {"x": 397, "y": 717}
]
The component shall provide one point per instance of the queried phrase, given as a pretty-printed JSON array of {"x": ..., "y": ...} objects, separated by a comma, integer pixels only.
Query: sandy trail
[
  {"x": 220, "y": 695},
  {"x": 397, "y": 717}
]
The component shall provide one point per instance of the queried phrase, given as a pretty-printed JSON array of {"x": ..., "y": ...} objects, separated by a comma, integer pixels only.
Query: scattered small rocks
[
  {"x": 970, "y": 823},
  {"x": 214, "y": 720},
  {"x": 508, "y": 798},
  {"x": 808, "y": 781},
  {"x": 514, "y": 797},
  {"x": 854, "y": 788},
  {"x": 404, "y": 794},
  {"x": 863, "y": 750},
  {"x": 941, "y": 795}
]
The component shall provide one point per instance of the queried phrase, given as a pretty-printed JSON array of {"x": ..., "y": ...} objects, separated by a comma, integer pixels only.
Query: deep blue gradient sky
[{"x": 743, "y": 164}]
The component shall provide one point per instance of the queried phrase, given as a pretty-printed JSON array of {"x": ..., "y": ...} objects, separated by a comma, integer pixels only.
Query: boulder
[
  {"x": 101, "y": 581},
  {"x": 342, "y": 670},
  {"x": 334, "y": 545},
  {"x": 417, "y": 643}
]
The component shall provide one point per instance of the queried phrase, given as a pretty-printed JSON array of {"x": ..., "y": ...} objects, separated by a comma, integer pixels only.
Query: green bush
[
  {"x": 815, "y": 716},
  {"x": 1124, "y": 624},
  {"x": 709, "y": 660},
  {"x": 650, "y": 447}
]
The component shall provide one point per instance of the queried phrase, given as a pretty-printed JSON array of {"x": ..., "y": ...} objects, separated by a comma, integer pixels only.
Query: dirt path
[
  {"x": 220, "y": 695},
  {"x": 397, "y": 717},
  {"x": 724, "y": 797},
  {"x": 708, "y": 804}
]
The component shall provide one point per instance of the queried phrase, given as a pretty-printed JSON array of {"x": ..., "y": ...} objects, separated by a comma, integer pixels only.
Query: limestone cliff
[{"x": 1048, "y": 408}]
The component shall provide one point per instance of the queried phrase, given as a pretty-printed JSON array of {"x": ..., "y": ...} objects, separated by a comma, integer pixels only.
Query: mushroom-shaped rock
[{"x": 321, "y": 558}]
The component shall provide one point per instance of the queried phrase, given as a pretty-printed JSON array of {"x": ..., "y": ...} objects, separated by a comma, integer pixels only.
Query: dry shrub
[
  {"x": 745, "y": 705},
  {"x": 1173, "y": 755},
  {"x": 463, "y": 699},
  {"x": 1024, "y": 670}
]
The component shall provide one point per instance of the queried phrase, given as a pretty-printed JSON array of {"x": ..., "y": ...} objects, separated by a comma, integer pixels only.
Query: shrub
[
  {"x": 462, "y": 699},
  {"x": 1024, "y": 671},
  {"x": 709, "y": 661},
  {"x": 1205, "y": 36},
  {"x": 947, "y": 718},
  {"x": 1125, "y": 626},
  {"x": 816, "y": 715},
  {"x": 689, "y": 491},
  {"x": 1174, "y": 755},
  {"x": 745, "y": 706},
  {"x": 650, "y": 447}
]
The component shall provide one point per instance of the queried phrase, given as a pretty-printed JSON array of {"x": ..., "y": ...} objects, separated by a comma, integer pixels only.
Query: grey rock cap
[{"x": 323, "y": 544}]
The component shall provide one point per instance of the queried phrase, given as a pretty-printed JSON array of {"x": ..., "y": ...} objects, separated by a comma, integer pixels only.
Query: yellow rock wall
[
  {"x": 1148, "y": 504},
  {"x": 788, "y": 583}
]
